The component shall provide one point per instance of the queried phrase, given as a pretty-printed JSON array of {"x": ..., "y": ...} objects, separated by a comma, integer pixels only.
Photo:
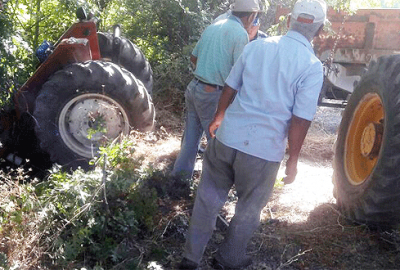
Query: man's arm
[
  {"x": 297, "y": 133},
  {"x": 227, "y": 96},
  {"x": 193, "y": 59}
]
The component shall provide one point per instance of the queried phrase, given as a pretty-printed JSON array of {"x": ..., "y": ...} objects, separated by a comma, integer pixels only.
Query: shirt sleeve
[
  {"x": 241, "y": 41},
  {"x": 235, "y": 79},
  {"x": 308, "y": 89},
  {"x": 195, "y": 51}
]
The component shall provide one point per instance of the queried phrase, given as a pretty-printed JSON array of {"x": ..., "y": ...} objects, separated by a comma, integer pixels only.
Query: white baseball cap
[
  {"x": 314, "y": 8},
  {"x": 245, "y": 6}
]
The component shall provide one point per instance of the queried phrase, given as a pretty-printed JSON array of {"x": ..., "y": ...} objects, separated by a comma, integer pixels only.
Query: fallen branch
[{"x": 293, "y": 259}]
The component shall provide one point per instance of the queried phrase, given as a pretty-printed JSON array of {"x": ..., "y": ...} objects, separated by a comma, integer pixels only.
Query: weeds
[
  {"x": 103, "y": 219},
  {"x": 18, "y": 222}
]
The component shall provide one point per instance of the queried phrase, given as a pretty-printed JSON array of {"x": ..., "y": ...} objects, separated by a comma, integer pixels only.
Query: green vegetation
[
  {"x": 166, "y": 31},
  {"x": 100, "y": 219},
  {"x": 111, "y": 217},
  {"x": 162, "y": 29}
]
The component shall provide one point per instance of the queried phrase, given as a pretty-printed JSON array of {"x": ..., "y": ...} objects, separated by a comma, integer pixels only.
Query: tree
[
  {"x": 166, "y": 30},
  {"x": 375, "y": 4},
  {"x": 12, "y": 57}
]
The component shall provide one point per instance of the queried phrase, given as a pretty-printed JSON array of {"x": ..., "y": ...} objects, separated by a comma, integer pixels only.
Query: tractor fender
[{"x": 68, "y": 51}]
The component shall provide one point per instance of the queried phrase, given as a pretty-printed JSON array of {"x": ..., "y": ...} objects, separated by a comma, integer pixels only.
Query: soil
[{"x": 301, "y": 227}]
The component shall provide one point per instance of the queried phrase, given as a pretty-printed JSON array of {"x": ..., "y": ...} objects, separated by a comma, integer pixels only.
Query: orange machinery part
[
  {"x": 67, "y": 51},
  {"x": 365, "y": 35}
]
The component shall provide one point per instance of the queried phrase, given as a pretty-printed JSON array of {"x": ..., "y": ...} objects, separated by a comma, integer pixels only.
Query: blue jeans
[
  {"x": 200, "y": 109},
  {"x": 254, "y": 180}
]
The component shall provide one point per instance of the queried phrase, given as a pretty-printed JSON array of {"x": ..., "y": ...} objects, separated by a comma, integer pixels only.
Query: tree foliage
[
  {"x": 13, "y": 56},
  {"x": 166, "y": 30},
  {"x": 355, "y": 4}
]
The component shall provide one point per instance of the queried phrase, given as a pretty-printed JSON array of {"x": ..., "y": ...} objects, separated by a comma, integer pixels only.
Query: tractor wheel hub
[{"x": 371, "y": 140}]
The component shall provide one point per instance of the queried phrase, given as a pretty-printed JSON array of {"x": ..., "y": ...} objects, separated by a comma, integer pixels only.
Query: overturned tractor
[{"x": 90, "y": 88}]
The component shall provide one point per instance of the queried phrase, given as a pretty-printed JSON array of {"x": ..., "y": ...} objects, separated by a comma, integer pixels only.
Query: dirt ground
[{"x": 301, "y": 227}]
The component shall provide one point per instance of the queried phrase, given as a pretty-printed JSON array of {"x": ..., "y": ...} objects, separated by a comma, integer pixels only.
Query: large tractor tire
[
  {"x": 367, "y": 158},
  {"x": 86, "y": 104},
  {"x": 129, "y": 56}
]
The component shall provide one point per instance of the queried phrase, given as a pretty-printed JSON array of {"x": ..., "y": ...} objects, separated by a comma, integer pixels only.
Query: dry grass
[
  {"x": 157, "y": 150},
  {"x": 319, "y": 145},
  {"x": 170, "y": 111},
  {"x": 20, "y": 235},
  {"x": 325, "y": 240}
]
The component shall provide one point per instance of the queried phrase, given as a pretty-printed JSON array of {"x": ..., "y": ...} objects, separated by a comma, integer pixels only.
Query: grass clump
[{"x": 107, "y": 218}]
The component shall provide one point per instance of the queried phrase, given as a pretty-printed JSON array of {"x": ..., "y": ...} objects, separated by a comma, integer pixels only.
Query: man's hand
[
  {"x": 227, "y": 96},
  {"x": 297, "y": 132},
  {"x": 216, "y": 122},
  {"x": 291, "y": 171}
]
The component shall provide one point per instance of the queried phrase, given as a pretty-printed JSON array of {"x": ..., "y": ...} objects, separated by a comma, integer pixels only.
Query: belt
[{"x": 209, "y": 84}]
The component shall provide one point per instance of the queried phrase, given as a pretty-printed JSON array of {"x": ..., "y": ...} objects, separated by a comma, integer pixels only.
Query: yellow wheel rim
[{"x": 364, "y": 139}]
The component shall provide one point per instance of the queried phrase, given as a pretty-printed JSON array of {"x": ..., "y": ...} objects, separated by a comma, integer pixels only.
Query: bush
[{"x": 85, "y": 219}]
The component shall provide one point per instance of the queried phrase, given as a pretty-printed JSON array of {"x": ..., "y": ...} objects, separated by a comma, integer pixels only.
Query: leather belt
[{"x": 209, "y": 84}]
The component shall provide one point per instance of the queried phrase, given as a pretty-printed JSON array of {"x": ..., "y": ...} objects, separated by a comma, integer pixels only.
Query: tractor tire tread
[
  {"x": 376, "y": 201},
  {"x": 89, "y": 77}
]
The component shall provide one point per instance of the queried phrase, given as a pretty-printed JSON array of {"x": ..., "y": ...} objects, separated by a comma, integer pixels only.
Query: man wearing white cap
[
  {"x": 276, "y": 82},
  {"x": 214, "y": 55}
]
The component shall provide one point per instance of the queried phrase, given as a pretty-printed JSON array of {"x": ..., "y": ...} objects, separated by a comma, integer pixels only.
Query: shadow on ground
[{"x": 326, "y": 240}]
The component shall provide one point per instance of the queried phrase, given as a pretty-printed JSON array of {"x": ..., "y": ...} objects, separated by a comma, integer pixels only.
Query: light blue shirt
[
  {"x": 275, "y": 78},
  {"x": 218, "y": 49}
]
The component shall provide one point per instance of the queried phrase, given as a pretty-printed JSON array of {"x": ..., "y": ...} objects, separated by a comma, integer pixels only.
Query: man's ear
[
  {"x": 252, "y": 17},
  {"x": 319, "y": 30}
]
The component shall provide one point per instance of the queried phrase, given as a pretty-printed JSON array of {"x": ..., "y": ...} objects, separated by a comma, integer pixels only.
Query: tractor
[
  {"x": 362, "y": 75},
  {"x": 367, "y": 157},
  {"x": 365, "y": 73},
  {"x": 89, "y": 88}
]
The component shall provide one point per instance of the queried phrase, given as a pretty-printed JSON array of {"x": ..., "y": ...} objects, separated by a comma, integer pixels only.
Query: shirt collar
[
  {"x": 233, "y": 17},
  {"x": 300, "y": 38}
]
